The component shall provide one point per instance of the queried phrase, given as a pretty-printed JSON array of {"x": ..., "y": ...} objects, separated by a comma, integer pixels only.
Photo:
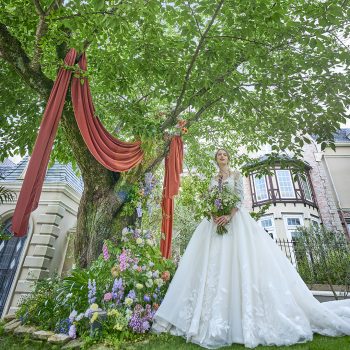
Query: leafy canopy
[{"x": 241, "y": 72}]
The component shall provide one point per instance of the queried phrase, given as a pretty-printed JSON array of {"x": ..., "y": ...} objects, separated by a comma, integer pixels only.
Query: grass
[{"x": 168, "y": 342}]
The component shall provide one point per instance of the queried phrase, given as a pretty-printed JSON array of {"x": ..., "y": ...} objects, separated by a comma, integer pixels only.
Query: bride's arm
[{"x": 238, "y": 189}]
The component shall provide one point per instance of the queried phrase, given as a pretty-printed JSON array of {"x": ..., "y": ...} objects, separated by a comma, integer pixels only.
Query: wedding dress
[{"x": 241, "y": 288}]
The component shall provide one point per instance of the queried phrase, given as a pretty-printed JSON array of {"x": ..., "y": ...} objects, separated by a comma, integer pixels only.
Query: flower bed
[{"x": 119, "y": 293}]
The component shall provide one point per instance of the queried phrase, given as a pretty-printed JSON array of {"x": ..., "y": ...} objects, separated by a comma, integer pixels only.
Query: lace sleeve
[
  {"x": 212, "y": 183},
  {"x": 238, "y": 187}
]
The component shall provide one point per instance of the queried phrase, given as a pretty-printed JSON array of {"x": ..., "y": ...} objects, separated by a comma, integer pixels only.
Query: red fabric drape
[
  {"x": 112, "y": 153},
  {"x": 33, "y": 181},
  {"x": 173, "y": 169}
]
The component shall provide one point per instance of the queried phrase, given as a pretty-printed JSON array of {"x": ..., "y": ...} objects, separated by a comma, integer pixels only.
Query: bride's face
[{"x": 222, "y": 157}]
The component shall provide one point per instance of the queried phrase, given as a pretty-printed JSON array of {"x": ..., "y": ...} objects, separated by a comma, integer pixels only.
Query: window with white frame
[
  {"x": 260, "y": 188},
  {"x": 348, "y": 224},
  {"x": 306, "y": 188},
  {"x": 291, "y": 223},
  {"x": 268, "y": 224},
  {"x": 315, "y": 221},
  {"x": 285, "y": 183}
]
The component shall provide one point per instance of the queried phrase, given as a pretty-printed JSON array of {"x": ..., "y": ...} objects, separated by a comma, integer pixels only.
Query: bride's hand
[{"x": 222, "y": 220}]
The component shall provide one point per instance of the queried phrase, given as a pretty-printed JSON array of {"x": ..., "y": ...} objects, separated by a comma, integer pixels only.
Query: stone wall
[{"x": 45, "y": 248}]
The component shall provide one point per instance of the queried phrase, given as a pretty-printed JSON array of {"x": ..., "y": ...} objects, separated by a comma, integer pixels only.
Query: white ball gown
[{"x": 241, "y": 288}]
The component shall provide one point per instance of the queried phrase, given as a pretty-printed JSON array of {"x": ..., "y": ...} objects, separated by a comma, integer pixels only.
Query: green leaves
[{"x": 277, "y": 69}]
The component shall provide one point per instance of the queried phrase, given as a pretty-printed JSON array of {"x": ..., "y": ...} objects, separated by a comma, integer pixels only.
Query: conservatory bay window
[
  {"x": 260, "y": 188},
  {"x": 285, "y": 183},
  {"x": 306, "y": 188}
]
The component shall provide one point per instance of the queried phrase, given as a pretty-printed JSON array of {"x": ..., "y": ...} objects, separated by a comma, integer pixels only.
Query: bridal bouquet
[{"x": 219, "y": 201}]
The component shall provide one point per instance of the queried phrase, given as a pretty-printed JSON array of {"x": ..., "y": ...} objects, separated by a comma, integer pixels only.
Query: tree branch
[
  {"x": 173, "y": 115},
  {"x": 39, "y": 10},
  {"x": 12, "y": 52},
  {"x": 195, "y": 19},
  {"x": 203, "y": 109},
  {"x": 239, "y": 38},
  {"x": 80, "y": 14},
  {"x": 41, "y": 30}
]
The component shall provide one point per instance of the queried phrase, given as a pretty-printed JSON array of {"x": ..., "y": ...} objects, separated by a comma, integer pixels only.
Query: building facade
[
  {"x": 318, "y": 195},
  {"x": 46, "y": 249}
]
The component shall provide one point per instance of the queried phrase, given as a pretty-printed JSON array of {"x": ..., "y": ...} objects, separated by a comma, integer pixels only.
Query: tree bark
[{"x": 99, "y": 214}]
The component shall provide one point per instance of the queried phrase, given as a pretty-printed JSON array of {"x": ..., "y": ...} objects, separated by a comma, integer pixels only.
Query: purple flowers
[
  {"x": 146, "y": 298},
  {"x": 125, "y": 260},
  {"x": 218, "y": 203},
  {"x": 72, "y": 331},
  {"x": 105, "y": 252},
  {"x": 118, "y": 290},
  {"x": 131, "y": 294},
  {"x": 92, "y": 291},
  {"x": 141, "y": 318}
]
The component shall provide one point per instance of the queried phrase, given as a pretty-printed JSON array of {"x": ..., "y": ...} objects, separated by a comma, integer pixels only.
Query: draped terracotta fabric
[
  {"x": 173, "y": 169},
  {"x": 113, "y": 154},
  {"x": 33, "y": 181}
]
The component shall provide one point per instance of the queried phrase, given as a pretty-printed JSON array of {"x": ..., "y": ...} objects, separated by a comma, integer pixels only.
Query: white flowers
[
  {"x": 128, "y": 301},
  {"x": 149, "y": 283},
  {"x": 149, "y": 274},
  {"x": 159, "y": 282},
  {"x": 139, "y": 286},
  {"x": 139, "y": 241}
]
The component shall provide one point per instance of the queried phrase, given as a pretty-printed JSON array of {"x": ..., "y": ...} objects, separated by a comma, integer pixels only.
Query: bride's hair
[{"x": 222, "y": 149}]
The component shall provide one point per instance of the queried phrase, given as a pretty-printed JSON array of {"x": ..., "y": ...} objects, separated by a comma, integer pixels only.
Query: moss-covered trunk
[{"x": 99, "y": 206}]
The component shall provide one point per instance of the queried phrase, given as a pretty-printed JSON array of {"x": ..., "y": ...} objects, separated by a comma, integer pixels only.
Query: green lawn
[{"x": 165, "y": 342}]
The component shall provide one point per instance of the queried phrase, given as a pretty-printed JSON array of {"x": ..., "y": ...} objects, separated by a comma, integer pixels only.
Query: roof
[
  {"x": 62, "y": 173},
  {"x": 342, "y": 135},
  {"x": 282, "y": 159},
  {"x": 5, "y": 167}
]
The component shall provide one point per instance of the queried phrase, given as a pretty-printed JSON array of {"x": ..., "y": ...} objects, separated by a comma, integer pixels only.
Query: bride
[{"x": 241, "y": 288}]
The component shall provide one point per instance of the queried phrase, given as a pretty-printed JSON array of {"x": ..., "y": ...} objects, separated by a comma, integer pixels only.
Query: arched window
[{"x": 10, "y": 252}]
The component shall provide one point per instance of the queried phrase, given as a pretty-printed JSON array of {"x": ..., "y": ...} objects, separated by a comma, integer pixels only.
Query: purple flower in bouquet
[
  {"x": 92, "y": 291},
  {"x": 146, "y": 298},
  {"x": 155, "y": 296},
  {"x": 72, "y": 331},
  {"x": 105, "y": 252},
  {"x": 218, "y": 203}
]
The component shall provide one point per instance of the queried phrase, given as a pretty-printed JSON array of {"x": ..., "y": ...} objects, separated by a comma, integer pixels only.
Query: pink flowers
[
  {"x": 105, "y": 252},
  {"x": 166, "y": 276},
  {"x": 108, "y": 297}
]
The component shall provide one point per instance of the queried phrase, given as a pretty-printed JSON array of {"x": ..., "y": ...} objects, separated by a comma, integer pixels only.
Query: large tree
[{"x": 242, "y": 72}]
